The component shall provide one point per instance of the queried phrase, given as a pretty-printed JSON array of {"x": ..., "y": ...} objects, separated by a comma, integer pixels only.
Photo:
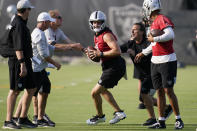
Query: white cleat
[
  {"x": 95, "y": 120},
  {"x": 117, "y": 117}
]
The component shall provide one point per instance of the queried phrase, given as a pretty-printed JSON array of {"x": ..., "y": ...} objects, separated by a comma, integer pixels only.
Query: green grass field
[{"x": 70, "y": 103}]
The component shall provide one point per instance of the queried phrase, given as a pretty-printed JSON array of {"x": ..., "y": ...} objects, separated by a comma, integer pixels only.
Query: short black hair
[{"x": 142, "y": 28}]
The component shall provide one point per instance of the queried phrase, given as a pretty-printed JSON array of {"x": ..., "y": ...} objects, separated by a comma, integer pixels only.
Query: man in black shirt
[
  {"x": 135, "y": 45},
  {"x": 20, "y": 68}
]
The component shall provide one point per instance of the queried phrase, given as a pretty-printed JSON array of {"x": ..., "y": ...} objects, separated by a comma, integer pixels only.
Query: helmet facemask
[
  {"x": 97, "y": 16},
  {"x": 102, "y": 26}
]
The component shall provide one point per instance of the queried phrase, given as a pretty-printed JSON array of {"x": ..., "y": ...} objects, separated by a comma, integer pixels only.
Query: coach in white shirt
[
  {"x": 54, "y": 34},
  {"x": 42, "y": 53}
]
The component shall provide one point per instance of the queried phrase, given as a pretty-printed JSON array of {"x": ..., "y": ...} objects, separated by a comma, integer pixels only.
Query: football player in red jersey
[
  {"x": 113, "y": 67},
  {"x": 164, "y": 61}
]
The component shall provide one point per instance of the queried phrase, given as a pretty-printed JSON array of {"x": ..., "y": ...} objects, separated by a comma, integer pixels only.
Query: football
[
  {"x": 90, "y": 48},
  {"x": 156, "y": 32}
]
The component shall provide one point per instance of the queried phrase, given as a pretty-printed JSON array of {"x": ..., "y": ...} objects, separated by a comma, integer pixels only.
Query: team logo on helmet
[
  {"x": 122, "y": 18},
  {"x": 97, "y": 16}
]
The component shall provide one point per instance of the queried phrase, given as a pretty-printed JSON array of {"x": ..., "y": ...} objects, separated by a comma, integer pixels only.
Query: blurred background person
[
  {"x": 54, "y": 34},
  {"x": 11, "y": 11}
]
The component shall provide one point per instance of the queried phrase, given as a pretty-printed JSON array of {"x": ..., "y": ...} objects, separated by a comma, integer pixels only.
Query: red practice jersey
[
  {"x": 101, "y": 45},
  {"x": 162, "y": 48}
]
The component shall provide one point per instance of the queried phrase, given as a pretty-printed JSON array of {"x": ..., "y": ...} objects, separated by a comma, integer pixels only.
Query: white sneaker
[
  {"x": 117, "y": 117},
  {"x": 96, "y": 119}
]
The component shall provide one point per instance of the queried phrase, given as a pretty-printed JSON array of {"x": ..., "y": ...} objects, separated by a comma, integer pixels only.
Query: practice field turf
[{"x": 70, "y": 103}]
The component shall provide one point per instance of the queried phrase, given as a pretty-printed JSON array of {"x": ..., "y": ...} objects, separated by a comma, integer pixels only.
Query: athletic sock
[
  {"x": 162, "y": 118},
  {"x": 178, "y": 117}
]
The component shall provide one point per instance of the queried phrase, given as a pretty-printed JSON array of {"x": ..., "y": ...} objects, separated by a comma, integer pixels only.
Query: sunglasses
[{"x": 59, "y": 17}]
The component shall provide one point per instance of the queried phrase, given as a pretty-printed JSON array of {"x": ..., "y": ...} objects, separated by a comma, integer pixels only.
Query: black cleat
[
  {"x": 35, "y": 118},
  {"x": 15, "y": 120},
  {"x": 25, "y": 122},
  {"x": 150, "y": 122},
  {"x": 42, "y": 123},
  {"x": 51, "y": 123},
  {"x": 159, "y": 125},
  {"x": 168, "y": 112},
  {"x": 10, "y": 125},
  {"x": 179, "y": 124},
  {"x": 95, "y": 120}
]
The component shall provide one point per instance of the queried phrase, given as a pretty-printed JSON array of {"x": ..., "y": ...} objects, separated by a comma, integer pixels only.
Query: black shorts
[
  {"x": 42, "y": 82},
  {"x": 146, "y": 85},
  {"x": 113, "y": 70},
  {"x": 164, "y": 75},
  {"x": 16, "y": 82},
  {"x": 136, "y": 73}
]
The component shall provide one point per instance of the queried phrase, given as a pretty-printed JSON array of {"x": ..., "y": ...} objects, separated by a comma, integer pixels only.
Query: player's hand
[
  {"x": 85, "y": 50},
  {"x": 23, "y": 70},
  {"x": 94, "y": 53},
  {"x": 91, "y": 54},
  {"x": 57, "y": 65},
  {"x": 150, "y": 38},
  {"x": 138, "y": 57},
  {"x": 131, "y": 52}
]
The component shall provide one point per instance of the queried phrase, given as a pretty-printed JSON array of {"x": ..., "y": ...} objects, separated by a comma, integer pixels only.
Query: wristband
[
  {"x": 53, "y": 43},
  {"x": 21, "y": 60},
  {"x": 101, "y": 55}
]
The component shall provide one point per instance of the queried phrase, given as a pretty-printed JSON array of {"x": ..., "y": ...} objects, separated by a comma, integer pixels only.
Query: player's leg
[
  {"x": 27, "y": 96},
  {"x": 146, "y": 85},
  {"x": 44, "y": 91},
  {"x": 149, "y": 105},
  {"x": 150, "y": 109},
  {"x": 168, "y": 108},
  {"x": 118, "y": 114},
  {"x": 141, "y": 104},
  {"x": 96, "y": 96},
  {"x": 37, "y": 81},
  {"x": 173, "y": 100},
  {"x": 18, "y": 111},
  {"x": 26, "y": 100},
  {"x": 110, "y": 99},
  {"x": 14, "y": 91},
  {"x": 11, "y": 101},
  {"x": 42, "y": 101},
  {"x": 161, "y": 101},
  {"x": 169, "y": 79},
  {"x": 35, "y": 108}
]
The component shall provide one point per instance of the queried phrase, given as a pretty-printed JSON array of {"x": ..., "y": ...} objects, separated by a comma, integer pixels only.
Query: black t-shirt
[
  {"x": 142, "y": 69},
  {"x": 21, "y": 37}
]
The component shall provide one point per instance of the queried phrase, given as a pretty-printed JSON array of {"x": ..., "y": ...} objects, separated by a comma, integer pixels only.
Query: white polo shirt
[{"x": 58, "y": 35}]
